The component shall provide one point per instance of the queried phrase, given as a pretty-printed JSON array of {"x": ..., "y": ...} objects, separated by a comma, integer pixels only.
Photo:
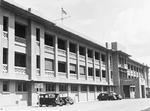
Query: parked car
[
  {"x": 103, "y": 96},
  {"x": 68, "y": 100},
  {"x": 109, "y": 96},
  {"x": 50, "y": 99}
]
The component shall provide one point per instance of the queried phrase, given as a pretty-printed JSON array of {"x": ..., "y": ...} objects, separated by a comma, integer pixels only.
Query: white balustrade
[
  {"x": 20, "y": 39},
  {"x": 5, "y": 34},
  {"x": 5, "y": 68},
  {"x": 20, "y": 70}
]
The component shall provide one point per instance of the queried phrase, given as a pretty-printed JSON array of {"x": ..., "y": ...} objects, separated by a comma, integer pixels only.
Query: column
[
  {"x": 95, "y": 92},
  {"x": 68, "y": 64},
  {"x": 78, "y": 62},
  {"x": 11, "y": 40},
  {"x": 56, "y": 59},
  {"x": 86, "y": 62},
  {"x": 69, "y": 89},
  {"x": 87, "y": 92},
  {"x": 42, "y": 48},
  {"x": 1, "y": 36},
  {"x": 79, "y": 91},
  {"x": 100, "y": 66},
  {"x": 94, "y": 72}
]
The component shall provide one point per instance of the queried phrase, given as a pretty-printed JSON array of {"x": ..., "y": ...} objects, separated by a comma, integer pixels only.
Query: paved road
[{"x": 119, "y": 105}]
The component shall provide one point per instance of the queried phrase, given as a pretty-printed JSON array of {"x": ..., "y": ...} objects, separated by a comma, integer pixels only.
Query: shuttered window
[
  {"x": 82, "y": 70},
  {"x": 73, "y": 68},
  {"x": 49, "y": 64}
]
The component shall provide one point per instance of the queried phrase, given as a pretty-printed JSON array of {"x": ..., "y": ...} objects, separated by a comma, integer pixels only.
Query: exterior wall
[{"x": 32, "y": 75}]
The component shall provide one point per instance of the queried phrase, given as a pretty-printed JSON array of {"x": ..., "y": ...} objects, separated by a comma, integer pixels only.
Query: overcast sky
[{"x": 124, "y": 21}]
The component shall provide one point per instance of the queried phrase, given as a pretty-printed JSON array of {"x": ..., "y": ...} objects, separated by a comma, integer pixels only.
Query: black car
[
  {"x": 50, "y": 99},
  {"x": 103, "y": 96},
  {"x": 68, "y": 100}
]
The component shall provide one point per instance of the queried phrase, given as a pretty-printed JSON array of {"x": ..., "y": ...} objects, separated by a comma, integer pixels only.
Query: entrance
[
  {"x": 126, "y": 90},
  {"x": 142, "y": 90}
]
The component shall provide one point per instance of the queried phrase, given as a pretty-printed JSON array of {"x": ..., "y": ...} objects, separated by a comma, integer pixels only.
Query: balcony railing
[
  {"x": 61, "y": 52},
  {"x": 38, "y": 72},
  {"x": 49, "y": 48},
  {"x": 73, "y": 55},
  {"x": 5, "y": 68},
  {"x": 82, "y": 58},
  {"x": 90, "y": 60},
  {"x": 50, "y": 73},
  {"x": 5, "y": 34},
  {"x": 20, "y": 70},
  {"x": 20, "y": 39}
]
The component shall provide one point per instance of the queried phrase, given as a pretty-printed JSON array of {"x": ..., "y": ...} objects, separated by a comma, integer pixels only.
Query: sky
[{"x": 124, "y": 21}]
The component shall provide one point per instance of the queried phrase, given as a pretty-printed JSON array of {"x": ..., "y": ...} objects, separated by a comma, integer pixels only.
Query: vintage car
[
  {"x": 68, "y": 100},
  {"x": 50, "y": 99},
  {"x": 103, "y": 96}
]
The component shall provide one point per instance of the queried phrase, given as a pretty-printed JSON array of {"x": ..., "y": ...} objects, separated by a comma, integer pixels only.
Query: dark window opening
[
  {"x": 72, "y": 47},
  {"x": 90, "y": 71},
  {"x": 5, "y": 86},
  {"x": 21, "y": 86},
  {"x": 97, "y": 55},
  {"x": 63, "y": 87},
  {"x": 20, "y": 59},
  {"x": 84, "y": 88},
  {"x": 37, "y": 34},
  {"x": 5, "y": 56},
  {"x": 50, "y": 87},
  {"x": 103, "y": 73},
  {"x": 90, "y": 53},
  {"x": 37, "y": 61},
  {"x": 91, "y": 88},
  {"x": 97, "y": 72},
  {"x": 103, "y": 58},
  {"x": 74, "y": 87},
  {"x": 49, "y": 39},
  {"x": 20, "y": 30},
  {"x": 105, "y": 88},
  {"x": 62, "y": 67},
  {"x": 61, "y": 44},
  {"x": 5, "y": 23},
  {"x": 99, "y": 88},
  {"x": 82, "y": 51}
]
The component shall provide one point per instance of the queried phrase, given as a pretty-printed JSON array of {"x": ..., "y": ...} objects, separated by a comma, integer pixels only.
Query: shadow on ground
[{"x": 148, "y": 109}]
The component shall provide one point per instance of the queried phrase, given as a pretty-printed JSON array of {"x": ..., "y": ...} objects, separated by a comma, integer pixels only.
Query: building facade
[{"x": 38, "y": 56}]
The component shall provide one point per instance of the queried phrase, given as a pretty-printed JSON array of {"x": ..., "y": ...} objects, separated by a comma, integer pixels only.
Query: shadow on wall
[{"x": 148, "y": 109}]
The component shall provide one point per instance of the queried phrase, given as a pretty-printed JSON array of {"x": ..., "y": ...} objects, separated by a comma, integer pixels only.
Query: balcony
[
  {"x": 49, "y": 73},
  {"x": 82, "y": 58},
  {"x": 49, "y": 49},
  {"x": 83, "y": 77},
  {"x": 5, "y": 34},
  {"x": 20, "y": 40},
  {"x": 72, "y": 55},
  {"x": 62, "y": 52},
  {"x": 5, "y": 68},
  {"x": 38, "y": 72},
  {"x": 90, "y": 60},
  {"x": 97, "y": 62},
  {"x": 20, "y": 70}
]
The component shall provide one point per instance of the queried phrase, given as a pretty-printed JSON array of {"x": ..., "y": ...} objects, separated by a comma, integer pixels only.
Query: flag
[{"x": 63, "y": 11}]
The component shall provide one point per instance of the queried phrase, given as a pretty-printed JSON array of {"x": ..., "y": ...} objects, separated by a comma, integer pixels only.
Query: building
[{"x": 38, "y": 56}]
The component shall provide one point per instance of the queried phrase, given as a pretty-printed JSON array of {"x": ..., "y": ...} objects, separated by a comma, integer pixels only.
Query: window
[
  {"x": 37, "y": 61},
  {"x": 21, "y": 86},
  {"x": 99, "y": 88},
  {"x": 97, "y": 72},
  {"x": 50, "y": 87},
  {"x": 5, "y": 56},
  {"x": 20, "y": 59},
  {"x": 63, "y": 87},
  {"x": 61, "y": 44},
  {"x": 20, "y": 30},
  {"x": 37, "y": 34},
  {"x": 5, "y": 86},
  {"x": 82, "y": 70},
  {"x": 91, "y": 88},
  {"x": 83, "y": 88},
  {"x": 90, "y": 71},
  {"x": 111, "y": 74},
  {"x": 103, "y": 58},
  {"x": 105, "y": 88},
  {"x": 128, "y": 66},
  {"x": 62, "y": 67},
  {"x": 74, "y": 87},
  {"x": 97, "y": 56},
  {"x": 49, "y": 64},
  {"x": 82, "y": 51},
  {"x": 72, "y": 47},
  {"x": 49, "y": 40},
  {"x": 103, "y": 73},
  {"x": 5, "y": 23},
  {"x": 73, "y": 68},
  {"x": 90, "y": 53}
]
